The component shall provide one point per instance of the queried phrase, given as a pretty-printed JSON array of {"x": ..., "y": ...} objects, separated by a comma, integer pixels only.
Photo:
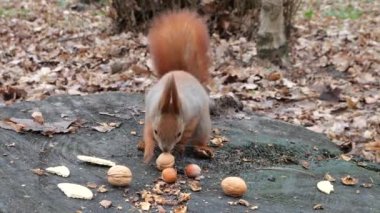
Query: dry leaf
[
  {"x": 345, "y": 157},
  {"x": 195, "y": 185},
  {"x": 349, "y": 181},
  {"x": 39, "y": 171},
  {"x": 180, "y": 209},
  {"x": 20, "y": 124},
  {"x": 106, "y": 127},
  {"x": 102, "y": 189},
  {"x": 318, "y": 206},
  {"x": 274, "y": 76},
  {"x": 372, "y": 146},
  {"x": 305, "y": 164},
  {"x": 367, "y": 185},
  {"x": 145, "y": 206},
  {"x": 37, "y": 117},
  {"x": 243, "y": 202},
  {"x": 328, "y": 177}
]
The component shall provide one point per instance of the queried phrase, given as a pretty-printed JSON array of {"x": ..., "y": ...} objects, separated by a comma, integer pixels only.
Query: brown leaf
[
  {"x": 195, "y": 185},
  {"x": 305, "y": 164},
  {"x": 372, "y": 146},
  {"x": 180, "y": 209},
  {"x": 145, "y": 206},
  {"x": 243, "y": 202},
  {"x": 39, "y": 171},
  {"x": 328, "y": 177},
  {"x": 8, "y": 124},
  {"x": 318, "y": 206},
  {"x": 102, "y": 189},
  {"x": 21, "y": 124},
  {"x": 274, "y": 76},
  {"x": 37, "y": 117},
  {"x": 106, "y": 127},
  {"x": 349, "y": 181}
]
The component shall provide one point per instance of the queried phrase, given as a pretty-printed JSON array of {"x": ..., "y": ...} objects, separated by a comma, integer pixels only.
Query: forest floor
[{"x": 333, "y": 87}]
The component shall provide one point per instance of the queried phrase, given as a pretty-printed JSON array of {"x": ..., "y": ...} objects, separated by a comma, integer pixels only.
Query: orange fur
[{"x": 180, "y": 41}]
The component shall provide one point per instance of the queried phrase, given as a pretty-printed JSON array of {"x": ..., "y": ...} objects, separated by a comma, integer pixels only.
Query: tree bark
[{"x": 271, "y": 35}]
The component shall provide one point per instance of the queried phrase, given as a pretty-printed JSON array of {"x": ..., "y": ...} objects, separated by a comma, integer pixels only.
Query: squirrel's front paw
[{"x": 204, "y": 151}]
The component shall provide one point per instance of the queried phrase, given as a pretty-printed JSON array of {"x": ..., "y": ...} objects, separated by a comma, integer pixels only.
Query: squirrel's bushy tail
[{"x": 179, "y": 40}]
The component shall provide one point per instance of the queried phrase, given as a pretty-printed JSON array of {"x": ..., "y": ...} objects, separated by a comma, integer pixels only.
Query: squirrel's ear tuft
[{"x": 170, "y": 102}]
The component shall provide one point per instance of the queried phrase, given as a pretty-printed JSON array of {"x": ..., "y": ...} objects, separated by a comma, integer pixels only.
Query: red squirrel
[{"x": 177, "y": 106}]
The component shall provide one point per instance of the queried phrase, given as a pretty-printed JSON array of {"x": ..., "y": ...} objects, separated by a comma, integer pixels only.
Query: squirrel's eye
[
  {"x": 155, "y": 131},
  {"x": 179, "y": 134}
]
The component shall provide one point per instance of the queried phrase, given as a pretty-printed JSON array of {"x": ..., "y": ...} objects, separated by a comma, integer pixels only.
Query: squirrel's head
[{"x": 168, "y": 125}]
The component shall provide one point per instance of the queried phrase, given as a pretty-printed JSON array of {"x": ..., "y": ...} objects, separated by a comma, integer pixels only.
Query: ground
[
  {"x": 332, "y": 85},
  {"x": 281, "y": 163}
]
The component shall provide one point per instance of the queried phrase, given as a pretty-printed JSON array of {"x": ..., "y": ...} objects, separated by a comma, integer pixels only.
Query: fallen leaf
[
  {"x": 367, "y": 185},
  {"x": 372, "y": 146},
  {"x": 243, "y": 202},
  {"x": 39, "y": 171},
  {"x": 106, "y": 127},
  {"x": 328, "y": 177},
  {"x": 195, "y": 185},
  {"x": 37, "y": 117},
  {"x": 253, "y": 207},
  {"x": 180, "y": 209},
  {"x": 102, "y": 189},
  {"x": 349, "y": 181},
  {"x": 21, "y": 124},
  {"x": 145, "y": 206},
  {"x": 184, "y": 197},
  {"x": 305, "y": 164},
  {"x": 318, "y": 206},
  {"x": 274, "y": 76},
  {"x": 345, "y": 157}
]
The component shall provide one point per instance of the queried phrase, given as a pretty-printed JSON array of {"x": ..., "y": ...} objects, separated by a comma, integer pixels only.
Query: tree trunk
[{"x": 271, "y": 36}]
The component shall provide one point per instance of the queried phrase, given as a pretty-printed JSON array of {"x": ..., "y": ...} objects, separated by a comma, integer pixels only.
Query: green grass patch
[
  {"x": 348, "y": 12},
  {"x": 14, "y": 12}
]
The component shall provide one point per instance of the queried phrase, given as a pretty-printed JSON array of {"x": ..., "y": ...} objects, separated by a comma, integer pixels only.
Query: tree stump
[{"x": 271, "y": 40}]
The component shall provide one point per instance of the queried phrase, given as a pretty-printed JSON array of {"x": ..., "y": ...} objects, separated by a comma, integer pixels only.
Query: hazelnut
[
  {"x": 169, "y": 175},
  {"x": 192, "y": 170},
  {"x": 234, "y": 186},
  {"x": 165, "y": 160},
  {"x": 119, "y": 175}
]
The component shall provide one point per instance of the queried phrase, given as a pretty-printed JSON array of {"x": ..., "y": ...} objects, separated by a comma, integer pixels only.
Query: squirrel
[{"x": 177, "y": 106}]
